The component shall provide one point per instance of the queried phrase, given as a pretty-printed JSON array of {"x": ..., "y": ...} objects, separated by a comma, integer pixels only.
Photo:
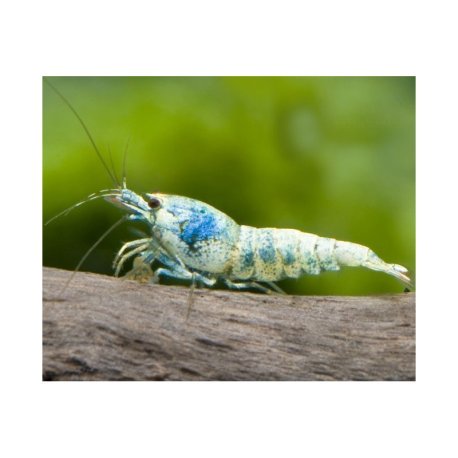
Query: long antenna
[
  {"x": 88, "y": 133},
  {"x": 88, "y": 252},
  {"x": 97, "y": 195},
  {"x": 110, "y": 156},
  {"x": 123, "y": 178}
]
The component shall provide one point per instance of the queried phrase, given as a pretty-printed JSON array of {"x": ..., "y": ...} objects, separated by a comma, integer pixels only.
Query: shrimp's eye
[{"x": 154, "y": 203}]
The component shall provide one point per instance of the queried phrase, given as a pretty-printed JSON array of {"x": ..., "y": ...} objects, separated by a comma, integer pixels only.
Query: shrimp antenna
[
  {"x": 97, "y": 195},
  {"x": 88, "y": 133},
  {"x": 110, "y": 156},
  {"x": 124, "y": 164},
  {"x": 88, "y": 252}
]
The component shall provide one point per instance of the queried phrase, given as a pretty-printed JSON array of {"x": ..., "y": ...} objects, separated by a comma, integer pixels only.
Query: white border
[{"x": 232, "y": 38}]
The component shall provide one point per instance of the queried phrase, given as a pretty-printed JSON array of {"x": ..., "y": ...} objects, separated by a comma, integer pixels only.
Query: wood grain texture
[{"x": 105, "y": 328}]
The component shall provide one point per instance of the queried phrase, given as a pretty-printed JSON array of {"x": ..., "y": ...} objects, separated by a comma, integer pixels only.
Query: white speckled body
[{"x": 195, "y": 241}]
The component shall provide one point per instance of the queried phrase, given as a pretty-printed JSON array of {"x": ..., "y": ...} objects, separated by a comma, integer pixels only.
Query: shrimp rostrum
[{"x": 194, "y": 241}]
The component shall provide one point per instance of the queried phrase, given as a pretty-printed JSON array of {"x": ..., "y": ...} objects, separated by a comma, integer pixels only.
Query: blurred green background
[{"x": 333, "y": 156}]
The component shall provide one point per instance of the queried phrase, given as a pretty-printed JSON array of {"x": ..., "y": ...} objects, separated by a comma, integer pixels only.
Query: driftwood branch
[{"x": 104, "y": 328}]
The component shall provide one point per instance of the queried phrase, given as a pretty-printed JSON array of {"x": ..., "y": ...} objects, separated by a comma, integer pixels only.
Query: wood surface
[{"x": 106, "y": 328}]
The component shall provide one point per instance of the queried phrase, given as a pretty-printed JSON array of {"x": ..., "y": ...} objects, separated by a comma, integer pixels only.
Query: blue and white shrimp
[{"x": 194, "y": 241}]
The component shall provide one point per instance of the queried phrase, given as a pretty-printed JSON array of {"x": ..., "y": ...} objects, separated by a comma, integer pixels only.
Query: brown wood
[{"x": 105, "y": 328}]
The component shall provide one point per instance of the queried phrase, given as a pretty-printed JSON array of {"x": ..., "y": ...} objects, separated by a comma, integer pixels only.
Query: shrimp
[{"x": 195, "y": 241}]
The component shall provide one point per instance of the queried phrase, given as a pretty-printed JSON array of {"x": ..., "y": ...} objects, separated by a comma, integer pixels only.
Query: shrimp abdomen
[{"x": 269, "y": 255}]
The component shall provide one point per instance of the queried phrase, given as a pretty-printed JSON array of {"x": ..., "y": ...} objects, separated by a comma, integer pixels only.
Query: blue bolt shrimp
[{"x": 194, "y": 241}]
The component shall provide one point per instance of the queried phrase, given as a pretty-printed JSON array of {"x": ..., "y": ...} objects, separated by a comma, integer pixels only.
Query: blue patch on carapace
[{"x": 201, "y": 225}]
